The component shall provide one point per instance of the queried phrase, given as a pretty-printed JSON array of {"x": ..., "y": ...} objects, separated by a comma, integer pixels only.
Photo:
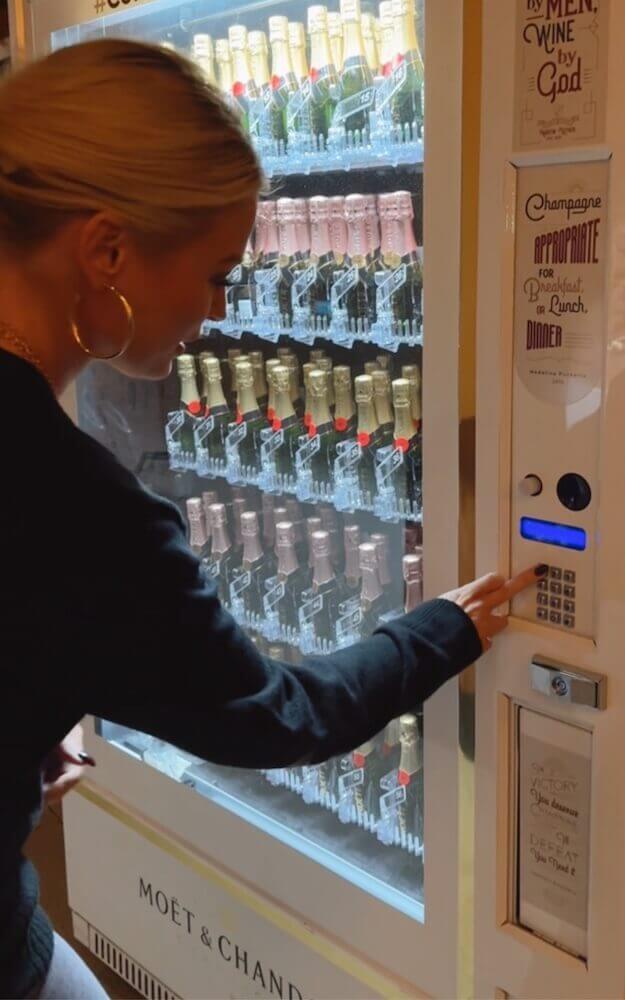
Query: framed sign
[
  {"x": 553, "y": 829},
  {"x": 561, "y": 73}
]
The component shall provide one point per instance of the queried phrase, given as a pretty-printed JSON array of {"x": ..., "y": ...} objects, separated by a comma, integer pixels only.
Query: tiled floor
[{"x": 45, "y": 848}]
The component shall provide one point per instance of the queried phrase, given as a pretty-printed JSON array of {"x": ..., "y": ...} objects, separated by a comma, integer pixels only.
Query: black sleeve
[{"x": 167, "y": 659}]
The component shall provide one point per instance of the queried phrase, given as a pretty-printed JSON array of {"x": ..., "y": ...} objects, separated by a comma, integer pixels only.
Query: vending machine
[{"x": 319, "y": 441}]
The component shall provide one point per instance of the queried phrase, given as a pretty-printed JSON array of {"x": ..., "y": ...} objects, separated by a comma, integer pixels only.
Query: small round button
[
  {"x": 574, "y": 493},
  {"x": 531, "y": 486},
  {"x": 560, "y": 686}
]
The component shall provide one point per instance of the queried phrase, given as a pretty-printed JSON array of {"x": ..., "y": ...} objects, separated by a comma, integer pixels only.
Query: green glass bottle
[
  {"x": 407, "y": 105},
  {"x": 254, "y": 563},
  {"x": 283, "y": 80},
  {"x": 321, "y": 426},
  {"x": 356, "y": 75},
  {"x": 324, "y": 81},
  {"x": 286, "y": 420},
  {"x": 407, "y": 439},
  {"x": 248, "y": 412},
  {"x": 217, "y": 408},
  {"x": 370, "y": 437},
  {"x": 244, "y": 89},
  {"x": 222, "y": 558},
  {"x": 344, "y": 409},
  {"x": 190, "y": 403},
  {"x": 295, "y": 577},
  {"x": 325, "y": 585}
]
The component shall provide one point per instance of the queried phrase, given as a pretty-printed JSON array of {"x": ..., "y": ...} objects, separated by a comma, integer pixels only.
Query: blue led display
[{"x": 550, "y": 533}]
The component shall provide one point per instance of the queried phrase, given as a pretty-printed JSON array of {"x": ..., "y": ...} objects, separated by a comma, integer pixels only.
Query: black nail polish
[
  {"x": 541, "y": 570},
  {"x": 86, "y": 759}
]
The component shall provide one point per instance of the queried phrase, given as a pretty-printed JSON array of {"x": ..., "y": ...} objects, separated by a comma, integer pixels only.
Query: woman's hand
[
  {"x": 64, "y": 767},
  {"x": 480, "y": 599}
]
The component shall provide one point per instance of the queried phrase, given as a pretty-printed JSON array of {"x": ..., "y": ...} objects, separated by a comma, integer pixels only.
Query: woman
[{"x": 127, "y": 192}]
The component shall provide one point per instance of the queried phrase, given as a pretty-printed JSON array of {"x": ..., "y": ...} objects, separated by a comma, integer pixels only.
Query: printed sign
[
  {"x": 196, "y": 934},
  {"x": 561, "y": 246},
  {"x": 561, "y": 56},
  {"x": 554, "y": 829}
]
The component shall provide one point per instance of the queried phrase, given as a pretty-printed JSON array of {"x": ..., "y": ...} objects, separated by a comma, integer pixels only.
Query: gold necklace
[{"x": 11, "y": 336}]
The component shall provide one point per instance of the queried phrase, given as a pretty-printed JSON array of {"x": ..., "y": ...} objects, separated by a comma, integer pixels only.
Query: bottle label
[
  {"x": 343, "y": 285},
  {"x": 359, "y": 102},
  {"x": 390, "y": 803},
  {"x": 395, "y": 77},
  {"x": 388, "y": 285}
]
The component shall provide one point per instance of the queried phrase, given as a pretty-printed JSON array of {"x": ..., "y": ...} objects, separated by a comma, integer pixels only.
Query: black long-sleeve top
[{"x": 104, "y": 610}]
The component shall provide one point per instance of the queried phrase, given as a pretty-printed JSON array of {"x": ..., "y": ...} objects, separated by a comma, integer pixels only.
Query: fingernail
[
  {"x": 85, "y": 758},
  {"x": 541, "y": 570}
]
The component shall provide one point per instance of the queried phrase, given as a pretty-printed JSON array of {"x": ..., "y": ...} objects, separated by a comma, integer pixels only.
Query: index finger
[{"x": 516, "y": 585}]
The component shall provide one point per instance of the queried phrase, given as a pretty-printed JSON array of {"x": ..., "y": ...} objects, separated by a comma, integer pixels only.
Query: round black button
[{"x": 574, "y": 493}]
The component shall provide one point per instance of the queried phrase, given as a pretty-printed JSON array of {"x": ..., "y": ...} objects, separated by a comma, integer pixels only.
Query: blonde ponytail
[{"x": 119, "y": 125}]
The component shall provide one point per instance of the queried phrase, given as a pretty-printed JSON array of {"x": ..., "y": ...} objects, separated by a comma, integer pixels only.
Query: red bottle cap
[
  {"x": 276, "y": 424},
  {"x": 402, "y": 444},
  {"x": 363, "y": 439},
  {"x": 314, "y": 75},
  {"x": 194, "y": 407},
  {"x": 275, "y": 82},
  {"x": 312, "y": 430},
  {"x": 340, "y": 423},
  {"x": 403, "y": 777},
  {"x": 271, "y": 414},
  {"x": 239, "y": 418},
  {"x": 307, "y": 419},
  {"x": 359, "y": 759},
  {"x": 238, "y": 89}
]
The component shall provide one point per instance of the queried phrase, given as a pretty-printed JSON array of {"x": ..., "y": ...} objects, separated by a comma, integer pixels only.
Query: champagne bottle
[
  {"x": 326, "y": 365},
  {"x": 209, "y": 497},
  {"x": 344, "y": 409},
  {"x": 239, "y": 506},
  {"x": 370, "y": 437},
  {"x": 190, "y": 403},
  {"x": 324, "y": 79},
  {"x": 292, "y": 365},
  {"x": 382, "y": 398},
  {"x": 270, "y": 365},
  {"x": 317, "y": 354},
  {"x": 321, "y": 426},
  {"x": 222, "y": 557},
  {"x": 223, "y": 57},
  {"x": 292, "y": 574},
  {"x": 372, "y": 221},
  {"x": 244, "y": 89},
  {"x": 312, "y": 524},
  {"x": 356, "y": 75},
  {"x": 202, "y": 357},
  {"x": 268, "y": 258},
  {"x": 297, "y": 45},
  {"x": 373, "y": 600},
  {"x": 291, "y": 260},
  {"x": 323, "y": 259},
  {"x": 259, "y": 61},
  {"x": 412, "y": 570},
  {"x": 338, "y": 229},
  {"x": 256, "y": 564},
  {"x": 367, "y": 24},
  {"x": 307, "y": 368},
  {"x": 390, "y": 750},
  {"x": 413, "y": 374},
  {"x": 283, "y": 81},
  {"x": 330, "y": 523},
  {"x": 285, "y": 420},
  {"x": 410, "y": 775},
  {"x": 202, "y": 52},
  {"x": 229, "y": 374},
  {"x": 217, "y": 408},
  {"x": 294, "y": 515},
  {"x": 260, "y": 383},
  {"x": 248, "y": 412},
  {"x": 385, "y": 362},
  {"x": 381, "y": 543},
  {"x": 407, "y": 304},
  {"x": 370, "y": 367},
  {"x": 406, "y": 477},
  {"x": 352, "y": 539},
  {"x": 269, "y": 527},
  {"x": 387, "y": 33},
  {"x": 407, "y": 105},
  {"x": 325, "y": 585},
  {"x": 335, "y": 34},
  {"x": 302, "y": 226},
  {"x": 198, "y": 540},
  {"x": 360, "y": 300}
]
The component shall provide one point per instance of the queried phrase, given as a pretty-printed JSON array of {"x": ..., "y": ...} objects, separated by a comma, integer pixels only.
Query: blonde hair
[{"x": 119, "y": 125}]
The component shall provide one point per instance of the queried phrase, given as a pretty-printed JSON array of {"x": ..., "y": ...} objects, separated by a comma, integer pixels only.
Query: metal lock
[{"x": 570, "y": 684}]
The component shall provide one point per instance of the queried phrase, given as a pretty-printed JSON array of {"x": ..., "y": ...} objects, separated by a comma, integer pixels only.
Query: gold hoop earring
[{"x": 130, "y": 319}]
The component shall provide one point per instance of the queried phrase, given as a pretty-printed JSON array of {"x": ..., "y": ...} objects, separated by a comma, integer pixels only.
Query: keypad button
[
  {"x": 555, "y": 573},
  {"x": 556, "y": 588},
  {"x": 555, "y": 618},
  {"x": 555, "y": 603},
  {"x": 569, "y": 621},
  {"x": 542, "y": 614},
  {"x": 569, "y": 592},
  {"x": 569, "y": 607},
  {"x": 543, "y": 584},
  {"x": 542, "y": 599},
  {"x": 568, "y": 576}
]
